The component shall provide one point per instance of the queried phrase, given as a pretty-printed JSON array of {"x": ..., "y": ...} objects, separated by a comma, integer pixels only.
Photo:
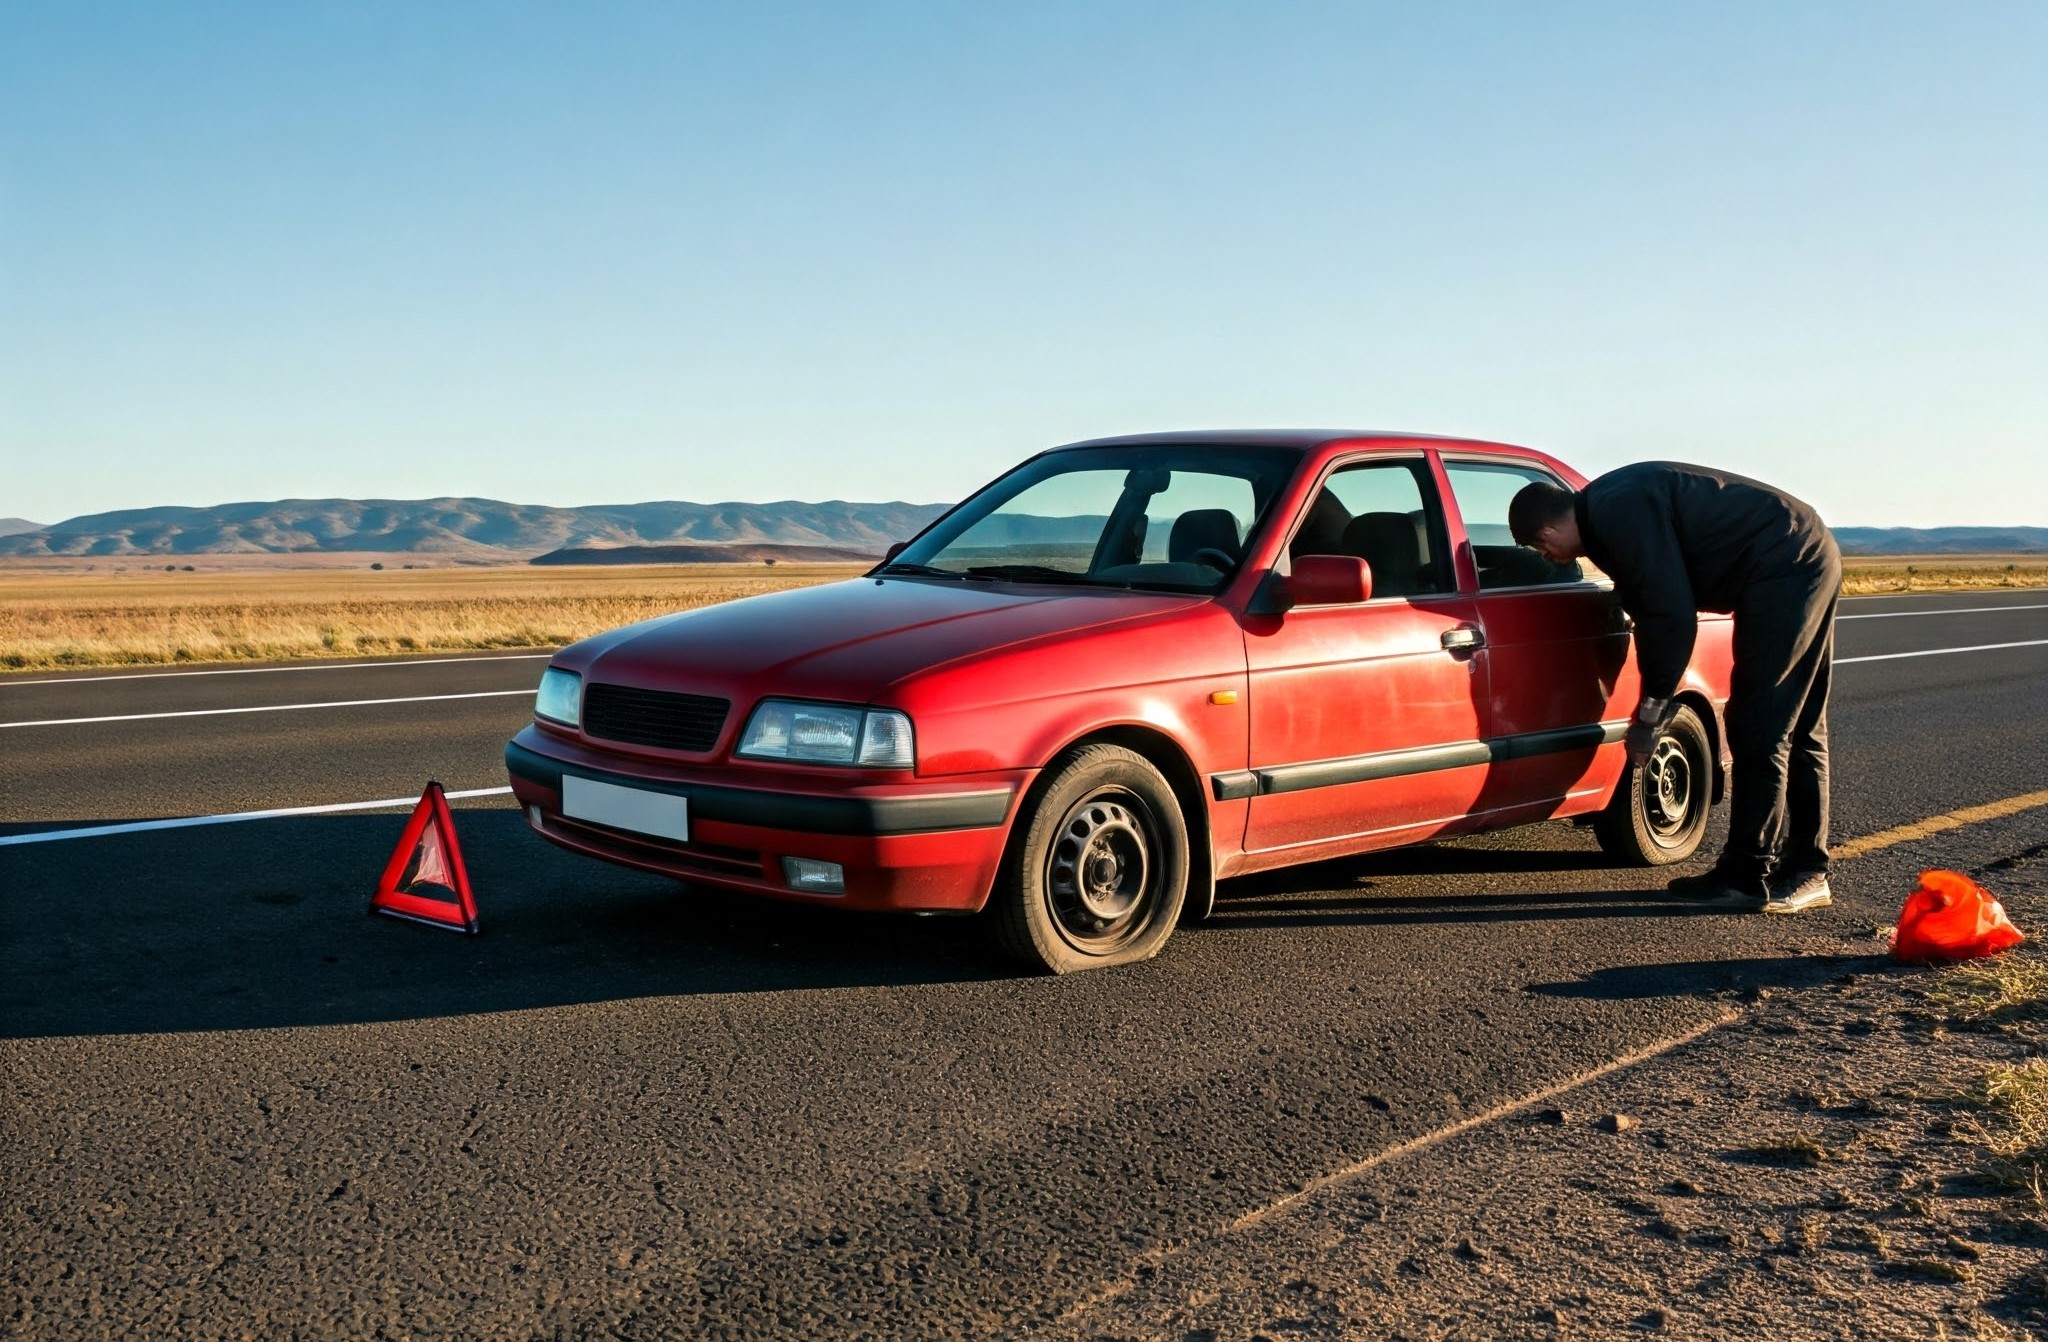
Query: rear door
[
  {"x": 1367, "y": 719},
  {"x": 1563, "y": 675}
]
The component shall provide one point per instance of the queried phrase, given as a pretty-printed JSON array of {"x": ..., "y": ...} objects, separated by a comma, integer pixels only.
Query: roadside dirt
[{"x": 1859, "y": 1159}]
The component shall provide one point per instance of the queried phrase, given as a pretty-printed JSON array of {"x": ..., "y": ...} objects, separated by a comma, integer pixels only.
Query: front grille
[{"x": 653, "y": 717}]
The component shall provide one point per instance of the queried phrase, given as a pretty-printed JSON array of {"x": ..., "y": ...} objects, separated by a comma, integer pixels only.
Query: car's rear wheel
[
  {"x": 1659, "y": 812},
  {"x": 1097, "y": 874}
]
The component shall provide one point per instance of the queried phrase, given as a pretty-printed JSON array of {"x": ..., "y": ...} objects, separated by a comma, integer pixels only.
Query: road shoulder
[{"x": 1823, "y": 1166}]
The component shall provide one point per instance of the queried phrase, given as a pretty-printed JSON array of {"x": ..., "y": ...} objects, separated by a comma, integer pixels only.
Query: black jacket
[{"x": 1681, "y": 539}]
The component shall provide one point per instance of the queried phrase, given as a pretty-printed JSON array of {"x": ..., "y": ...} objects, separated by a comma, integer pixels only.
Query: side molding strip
[
  {"x": 1396, "y": 763},
  {"x": 1235, "y": 786}
]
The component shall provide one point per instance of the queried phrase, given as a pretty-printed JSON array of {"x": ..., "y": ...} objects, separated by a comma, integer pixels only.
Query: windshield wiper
[
  {"x": 921, "y": 571},
  {"x": 1030, "y": 573}
]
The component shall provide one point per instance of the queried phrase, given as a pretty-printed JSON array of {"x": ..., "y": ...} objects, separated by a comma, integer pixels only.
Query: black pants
[{"x": 1777, "y": 720}]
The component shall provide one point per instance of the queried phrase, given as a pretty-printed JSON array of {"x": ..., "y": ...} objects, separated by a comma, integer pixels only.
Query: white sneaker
[{"x": 1797, "y": 894}]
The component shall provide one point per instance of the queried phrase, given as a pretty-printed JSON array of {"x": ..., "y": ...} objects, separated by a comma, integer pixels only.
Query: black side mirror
[
  {"x": 894, "y": 550},
  {"x": 1271, "y": 597}
]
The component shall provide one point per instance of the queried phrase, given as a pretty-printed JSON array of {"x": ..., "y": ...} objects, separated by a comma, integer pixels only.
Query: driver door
[{"x": 1368, "y": 720}]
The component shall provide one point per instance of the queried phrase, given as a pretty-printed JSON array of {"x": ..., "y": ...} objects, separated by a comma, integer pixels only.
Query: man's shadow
[{"x": 1696, "y": 978}]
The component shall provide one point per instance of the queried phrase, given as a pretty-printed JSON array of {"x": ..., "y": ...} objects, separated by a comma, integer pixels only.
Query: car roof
[{"x": 1301, "y": 440}]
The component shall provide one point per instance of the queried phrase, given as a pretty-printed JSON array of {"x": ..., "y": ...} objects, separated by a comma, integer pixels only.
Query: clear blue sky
[{"x": 579, "y": 253}]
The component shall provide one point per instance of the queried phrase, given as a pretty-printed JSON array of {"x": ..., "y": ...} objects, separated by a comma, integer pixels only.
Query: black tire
[
  {"x": 1659, "y": 812},
  {"x": 1097, "y": 870}
]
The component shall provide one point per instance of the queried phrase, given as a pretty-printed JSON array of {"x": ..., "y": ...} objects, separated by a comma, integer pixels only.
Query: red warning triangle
[{"x": 427, "y": 854}]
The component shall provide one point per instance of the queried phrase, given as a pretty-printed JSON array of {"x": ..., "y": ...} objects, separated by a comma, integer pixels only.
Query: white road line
[
  {"x": 265, "y": 708},
  {"x": 9, "y": 682},
  {"x": 267, "y": 670},
  {"x": 183, "y": 822},
  {"x": 1937, "y": 652},
  {"x": 133, "y": 827},
  {"x": 1951, "y": 610},
  {"x": 499, "y": 694}
]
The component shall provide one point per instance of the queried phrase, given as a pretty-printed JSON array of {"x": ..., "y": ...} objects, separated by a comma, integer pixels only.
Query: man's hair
[{"x": 1536, "y": 506}]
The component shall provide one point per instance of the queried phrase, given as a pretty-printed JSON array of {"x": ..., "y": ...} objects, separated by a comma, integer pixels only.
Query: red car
[{"x": 1125, "y": 670}]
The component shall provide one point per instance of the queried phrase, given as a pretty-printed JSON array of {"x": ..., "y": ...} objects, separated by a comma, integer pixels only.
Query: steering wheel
[{"x": 1214, "y": 558}]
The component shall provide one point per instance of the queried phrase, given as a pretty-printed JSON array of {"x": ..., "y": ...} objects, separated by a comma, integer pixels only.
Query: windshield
[{"x": 1171, "y": 517}]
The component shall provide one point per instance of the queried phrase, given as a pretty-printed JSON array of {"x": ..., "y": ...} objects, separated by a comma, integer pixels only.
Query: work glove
[{"x": 1644, "y": 729}]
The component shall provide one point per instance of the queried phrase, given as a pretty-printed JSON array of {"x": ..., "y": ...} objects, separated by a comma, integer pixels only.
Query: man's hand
[{"x": 1643, "y": 730}]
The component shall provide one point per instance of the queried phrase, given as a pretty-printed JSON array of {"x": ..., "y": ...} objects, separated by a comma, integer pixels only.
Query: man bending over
[{"x": 1681, "y": 539}]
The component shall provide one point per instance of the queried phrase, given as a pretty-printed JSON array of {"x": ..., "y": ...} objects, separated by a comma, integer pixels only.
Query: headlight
[
  {"x": 786, "y": 729},
  {"x": 560, "y": 698}
]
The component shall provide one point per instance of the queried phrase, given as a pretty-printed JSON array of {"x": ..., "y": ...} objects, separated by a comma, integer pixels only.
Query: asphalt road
[{"x": 234, "y": 1104}]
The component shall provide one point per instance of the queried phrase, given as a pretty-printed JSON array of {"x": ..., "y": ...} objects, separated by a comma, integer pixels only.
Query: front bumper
[{"x": 928, "y": 847}]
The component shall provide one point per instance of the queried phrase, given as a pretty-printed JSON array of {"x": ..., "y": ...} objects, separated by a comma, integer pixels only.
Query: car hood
[{"x": 849, "y": 640}]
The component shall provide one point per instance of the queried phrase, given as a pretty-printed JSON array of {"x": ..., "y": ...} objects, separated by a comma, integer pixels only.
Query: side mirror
[
  {"x": 1330, "y": 580},
  {"x": 894, "y": 550}
]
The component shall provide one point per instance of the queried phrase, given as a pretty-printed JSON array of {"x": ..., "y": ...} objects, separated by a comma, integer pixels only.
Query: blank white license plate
[{"x": 658, "y": 813}]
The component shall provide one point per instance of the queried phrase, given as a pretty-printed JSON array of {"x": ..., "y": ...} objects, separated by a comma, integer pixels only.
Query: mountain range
[
  {"x": 490, "y": 529},
  {"x": 469, "y": 527},
  {"x": 1942, "y": 540}
]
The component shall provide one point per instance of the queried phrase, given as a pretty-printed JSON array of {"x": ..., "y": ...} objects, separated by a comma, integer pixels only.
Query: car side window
[
  {"x": 1386, "y": 513},
  {"x": 1483, "y": 490}
]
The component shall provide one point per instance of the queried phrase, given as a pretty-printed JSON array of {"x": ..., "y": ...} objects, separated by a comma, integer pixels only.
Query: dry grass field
[
  {"x": 52, "y": 621},
  {"x": 1942, "y": 573},
  {"x": 225, "y": 611}
]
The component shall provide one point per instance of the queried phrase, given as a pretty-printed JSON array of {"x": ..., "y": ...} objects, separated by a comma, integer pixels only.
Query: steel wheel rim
[
  {"x": 1670, "y": 789},
  {"x": 1102, "y": 871}
]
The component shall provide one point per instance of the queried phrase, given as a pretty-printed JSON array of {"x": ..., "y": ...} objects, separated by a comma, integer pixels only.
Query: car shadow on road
[
  {"x": 267, "y": 924},
  {"x": 1497, "y": 878},
  {"x": 1393, "y": 910},
  {"x": 1427, "y": 859}
]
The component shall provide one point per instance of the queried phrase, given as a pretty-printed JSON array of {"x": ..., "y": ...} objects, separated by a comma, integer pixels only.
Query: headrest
[
  {"x": 1322, "y": 531},
  {"x": 1389, "y": 537},
  {"x": 1202, "y": 529},
  {"x": 1388, "y": 542}
]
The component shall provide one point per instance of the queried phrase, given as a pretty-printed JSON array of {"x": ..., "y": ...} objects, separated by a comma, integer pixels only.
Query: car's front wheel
[
  {"x": 1659, "y": 812},
  {"x": 1098, "y": 872}
]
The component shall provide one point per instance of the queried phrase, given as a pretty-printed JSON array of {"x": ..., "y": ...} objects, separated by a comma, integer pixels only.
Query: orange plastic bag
[{"x": 1950, "y": 917}]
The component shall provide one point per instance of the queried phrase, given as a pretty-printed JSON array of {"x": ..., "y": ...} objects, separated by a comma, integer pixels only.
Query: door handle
[{"x": 1464, "y": 638}]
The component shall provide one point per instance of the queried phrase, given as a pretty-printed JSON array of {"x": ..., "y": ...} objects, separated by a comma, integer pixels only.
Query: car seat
[
  {"x": 1322, "y": 531},
  {"x": 1514, "y": 566},
  {"x": 1387, "y": 542},
  {"x": 1202, "y": 529}
]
